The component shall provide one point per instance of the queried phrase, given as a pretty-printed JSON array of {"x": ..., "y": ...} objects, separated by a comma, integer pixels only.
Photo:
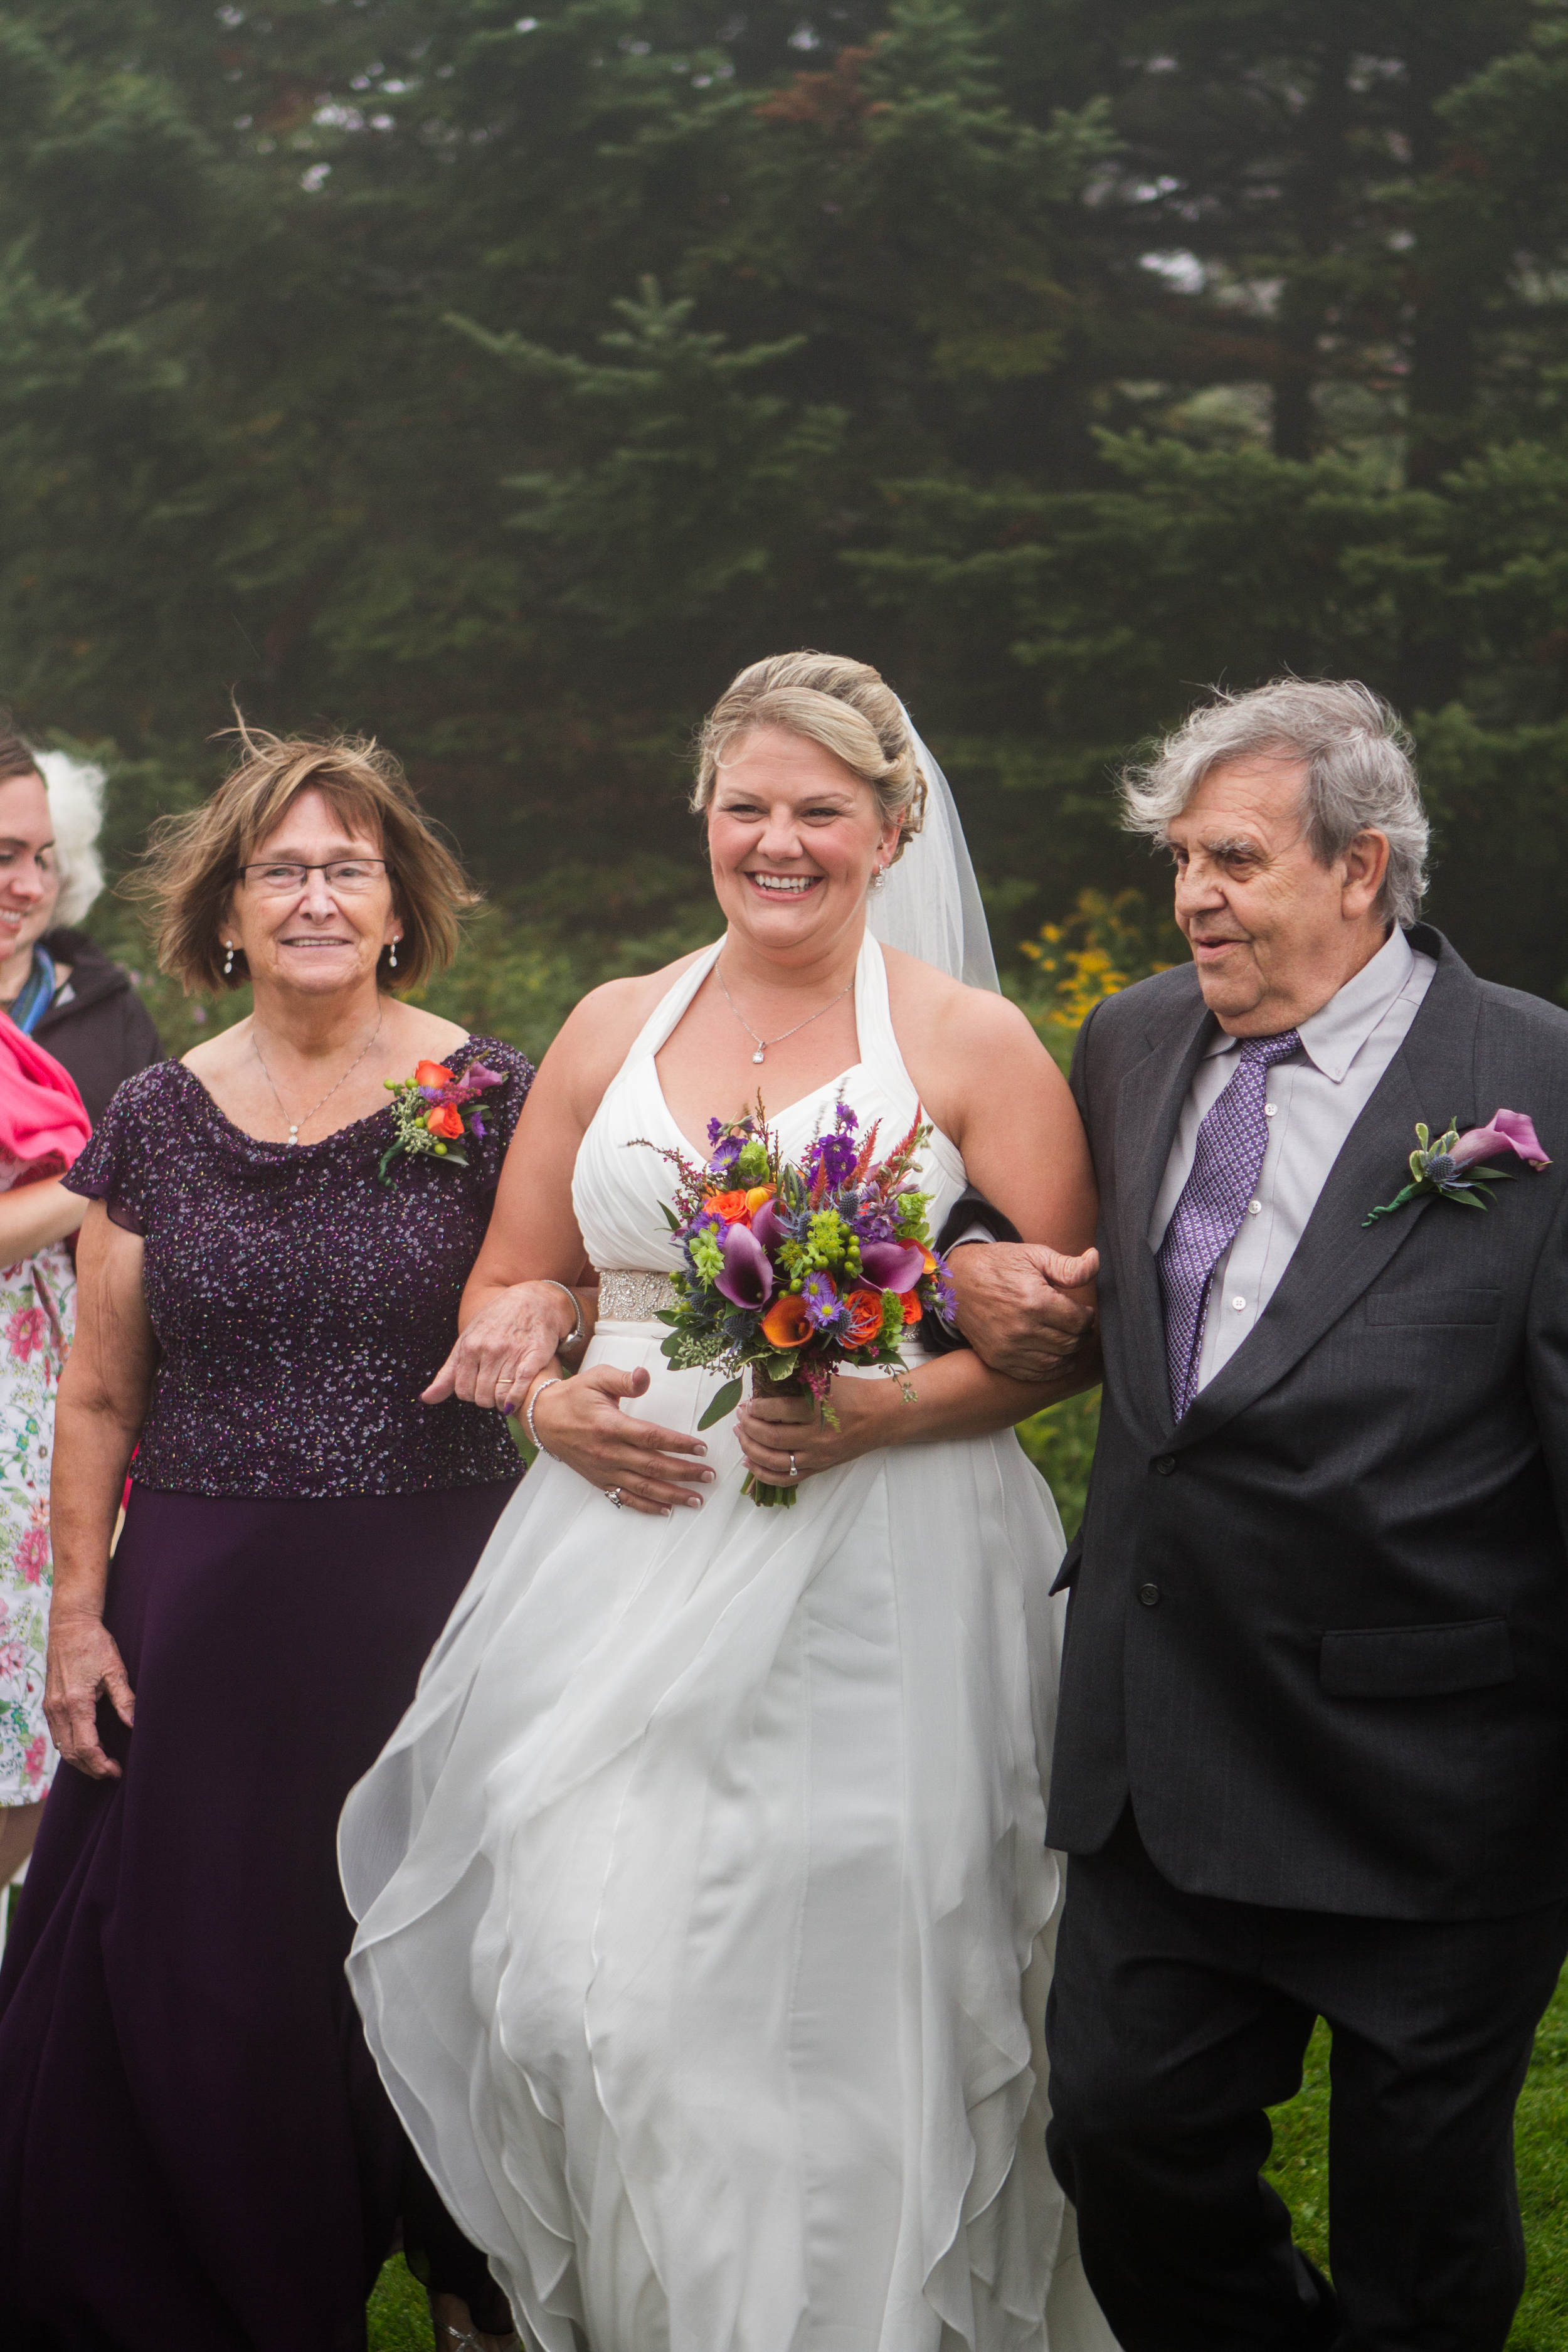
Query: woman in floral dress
[{"x": 43, "y": 1127}]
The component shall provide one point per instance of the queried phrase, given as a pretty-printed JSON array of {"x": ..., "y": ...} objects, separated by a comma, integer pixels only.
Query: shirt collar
[{"x": 1335, "y": 1034}]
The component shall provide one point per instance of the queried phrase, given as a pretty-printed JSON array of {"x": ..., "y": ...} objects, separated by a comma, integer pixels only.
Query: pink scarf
[{"x": 43, "y": 1121}]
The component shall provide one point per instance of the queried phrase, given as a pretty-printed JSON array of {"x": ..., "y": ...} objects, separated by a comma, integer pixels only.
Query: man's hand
[
  {"x": 1015, "y": 1309},
  {"x": 504, "y": 1346}
]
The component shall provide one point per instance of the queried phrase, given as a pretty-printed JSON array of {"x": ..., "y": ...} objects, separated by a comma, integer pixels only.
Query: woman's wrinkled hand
[
  {"x": 785, "y": 1439},
  {"x": 580, "y": 1422},
  {"x": 84, "y": 1666},
  {"x": 507, "y": 1343}
]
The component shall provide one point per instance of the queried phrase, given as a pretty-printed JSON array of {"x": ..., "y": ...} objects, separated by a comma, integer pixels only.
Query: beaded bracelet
[{"x": 535, "y": 1439}]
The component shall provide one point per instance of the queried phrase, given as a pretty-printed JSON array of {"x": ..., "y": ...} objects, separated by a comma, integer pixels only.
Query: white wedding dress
[{"x": 703, "y": 1897}]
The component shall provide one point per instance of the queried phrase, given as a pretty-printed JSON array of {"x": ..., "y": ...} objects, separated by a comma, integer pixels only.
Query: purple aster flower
[
  {"x": 724, "y": 1157},
  {"x": 822, "y": 1302}
]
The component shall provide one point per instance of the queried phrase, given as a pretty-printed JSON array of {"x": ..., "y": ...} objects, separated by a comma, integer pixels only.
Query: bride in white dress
[{"x": 704, "y": 1906}]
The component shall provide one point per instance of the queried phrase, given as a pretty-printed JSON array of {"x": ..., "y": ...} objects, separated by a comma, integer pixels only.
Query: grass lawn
[{"x": 1298, "y": 2169}]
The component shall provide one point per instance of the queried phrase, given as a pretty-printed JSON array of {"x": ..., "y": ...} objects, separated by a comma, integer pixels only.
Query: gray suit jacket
[{"x": 1319, "y": 1630}]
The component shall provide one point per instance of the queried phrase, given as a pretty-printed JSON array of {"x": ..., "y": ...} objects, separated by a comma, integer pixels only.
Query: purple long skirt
[{"x": 194, "y": 2147}]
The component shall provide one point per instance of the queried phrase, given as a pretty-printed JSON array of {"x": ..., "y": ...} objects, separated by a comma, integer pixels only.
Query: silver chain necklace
[
  {"x": 762, "y": 1044},
  {"x": 296, "y": 1124}
]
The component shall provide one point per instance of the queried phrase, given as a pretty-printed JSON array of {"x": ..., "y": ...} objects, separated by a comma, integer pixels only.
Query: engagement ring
[{"x": 612, "y": 1495}]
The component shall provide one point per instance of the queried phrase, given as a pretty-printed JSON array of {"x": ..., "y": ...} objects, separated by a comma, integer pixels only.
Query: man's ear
[{"x": 1365, "y": 864}]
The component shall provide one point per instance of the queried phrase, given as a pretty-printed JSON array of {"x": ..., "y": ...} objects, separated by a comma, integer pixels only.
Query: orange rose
[
  {"x": 786, "y": 1322},
  {"x": 865, "y": 1316},
  {"x": 731, "y": 1206},
  {"x": 445, "y": 1122},
  {"x": 756, "y": 1196},
  {"x": 432, "y": 1073},
  {"x": 912, "y": 1308}
]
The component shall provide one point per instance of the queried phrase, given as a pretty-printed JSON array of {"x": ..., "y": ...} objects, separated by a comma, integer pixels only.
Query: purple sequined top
[{"x": 300, "y": 1303}]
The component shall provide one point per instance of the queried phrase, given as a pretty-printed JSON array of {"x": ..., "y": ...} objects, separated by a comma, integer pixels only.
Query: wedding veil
[{"x": 929, "y": 903}]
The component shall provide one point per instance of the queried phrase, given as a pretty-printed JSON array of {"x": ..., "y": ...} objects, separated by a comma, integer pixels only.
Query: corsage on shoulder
[
  {"x": 1450, "y": 1167},
  {"x": 436, "y": 1113}
]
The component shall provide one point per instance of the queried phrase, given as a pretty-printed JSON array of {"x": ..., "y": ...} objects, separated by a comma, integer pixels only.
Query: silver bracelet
[
  {"x": 535, "y": 1439},
  {"x": 576, "y": 1334}
]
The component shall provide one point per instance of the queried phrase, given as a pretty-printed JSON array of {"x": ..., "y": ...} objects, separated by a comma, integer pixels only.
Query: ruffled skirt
[{"x": 705, "y": 1907}]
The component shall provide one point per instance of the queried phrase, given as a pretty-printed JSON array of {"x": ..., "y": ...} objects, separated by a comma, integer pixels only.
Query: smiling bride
[{"x": 703, "y": 1897}]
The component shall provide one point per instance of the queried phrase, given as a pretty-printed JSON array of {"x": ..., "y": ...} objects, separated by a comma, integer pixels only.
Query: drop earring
[
  {"x": 392, "y": 956},
  {"x": 878, "y": 877},
  {"x": 228, "y": 959}
]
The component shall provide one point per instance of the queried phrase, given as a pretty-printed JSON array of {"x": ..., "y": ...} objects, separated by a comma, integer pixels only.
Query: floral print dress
[{"x": 38, "y": 1315}]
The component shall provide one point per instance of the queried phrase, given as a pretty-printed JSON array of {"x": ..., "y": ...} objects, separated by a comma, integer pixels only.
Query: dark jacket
[
  {"x": 1318, "y": 1631},
  {"x": 98, "y": 1025}
]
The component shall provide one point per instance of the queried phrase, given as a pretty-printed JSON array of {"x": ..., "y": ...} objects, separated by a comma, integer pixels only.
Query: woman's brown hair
[{"x": 195, "y": 861}]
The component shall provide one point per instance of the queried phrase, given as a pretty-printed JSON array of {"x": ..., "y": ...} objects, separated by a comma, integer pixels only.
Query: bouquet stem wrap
[{"x": 764, "y": 1385}]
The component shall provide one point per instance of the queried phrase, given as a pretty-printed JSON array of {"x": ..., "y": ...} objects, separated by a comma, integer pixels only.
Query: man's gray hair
[{"x": 1360, "y": 774}]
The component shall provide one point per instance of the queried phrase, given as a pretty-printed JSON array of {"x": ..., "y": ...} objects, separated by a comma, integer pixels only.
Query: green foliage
[
  {"x": 398, "y": 2320},
  {"x": 1060, "y": 1441},
  {"x": 497, "y": 384},
  {"x": 1103, "y": 945}
]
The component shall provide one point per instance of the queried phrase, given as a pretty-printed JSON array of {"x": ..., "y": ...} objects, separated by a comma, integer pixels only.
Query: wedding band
[
  {"x": 612, "y": 1495},
  {"x": 793, "y": 1471}
]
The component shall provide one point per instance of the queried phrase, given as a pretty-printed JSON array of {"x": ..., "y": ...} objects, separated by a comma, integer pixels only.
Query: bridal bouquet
[{"x": 794, "y": 1270}]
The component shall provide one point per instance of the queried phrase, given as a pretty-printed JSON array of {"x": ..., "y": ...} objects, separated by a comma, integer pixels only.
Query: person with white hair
[
  {"x": 55, "y": 983},
  {"x": 1309, "y": 1749},
  {"x": 83, "y": 1029}
]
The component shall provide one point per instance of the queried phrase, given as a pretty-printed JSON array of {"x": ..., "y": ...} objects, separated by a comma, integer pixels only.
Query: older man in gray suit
[{"x": 1312, "y": 1751}]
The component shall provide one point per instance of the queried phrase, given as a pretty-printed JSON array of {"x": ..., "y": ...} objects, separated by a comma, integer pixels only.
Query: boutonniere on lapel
[{"x": 1450, "y": 1167}]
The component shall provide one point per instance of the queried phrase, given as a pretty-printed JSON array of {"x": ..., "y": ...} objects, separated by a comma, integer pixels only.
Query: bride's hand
[
  {"x": 580, "y": 1422},
  {"x": 785, "y": 1439}
]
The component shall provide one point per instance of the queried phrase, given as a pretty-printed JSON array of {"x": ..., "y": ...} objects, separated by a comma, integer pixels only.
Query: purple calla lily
[
  {"x": 748, "y": 1278},
  {"x": 766, "y": 1227},
  {"x": 892, "y": 1266},
  {"x": 480, "y": 1074},
  {"x": 1507, "y": 1130}
]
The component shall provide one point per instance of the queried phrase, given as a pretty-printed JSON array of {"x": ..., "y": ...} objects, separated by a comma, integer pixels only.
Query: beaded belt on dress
[{"x": 630, "y": 1295}]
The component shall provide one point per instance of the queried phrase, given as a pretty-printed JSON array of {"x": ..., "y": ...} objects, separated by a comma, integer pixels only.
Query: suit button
[
  {"x": 1164, "y": 1463},
  {"x": 1148, "y": 1594}
]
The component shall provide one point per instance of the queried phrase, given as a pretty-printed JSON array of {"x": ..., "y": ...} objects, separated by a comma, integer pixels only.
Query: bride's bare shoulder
[
  {"x": 954, "y": 1019},
  {"x": 597, "y": 1034}
]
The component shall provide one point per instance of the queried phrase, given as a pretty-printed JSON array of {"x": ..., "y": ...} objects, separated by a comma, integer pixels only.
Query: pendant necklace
[
  {"x": 762, "y": 1044},
  {"x": 296, "y": 1124}
]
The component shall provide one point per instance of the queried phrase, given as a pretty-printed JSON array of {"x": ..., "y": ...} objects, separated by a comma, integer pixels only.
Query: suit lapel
[
  {"x": 1431, "y": 1077},
  {"x": 1148, "y": 1110}
]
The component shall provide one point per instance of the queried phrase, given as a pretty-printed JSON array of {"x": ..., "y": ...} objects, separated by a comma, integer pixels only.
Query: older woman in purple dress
[{"x": 194, "y": 2145}]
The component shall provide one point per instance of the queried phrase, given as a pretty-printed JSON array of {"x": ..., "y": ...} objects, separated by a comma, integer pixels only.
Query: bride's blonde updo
[{"x": 846, "y": 706}]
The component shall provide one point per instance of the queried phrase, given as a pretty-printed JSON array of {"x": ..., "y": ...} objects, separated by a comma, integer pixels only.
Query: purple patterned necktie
[{"x": 1226, "y": 1167}]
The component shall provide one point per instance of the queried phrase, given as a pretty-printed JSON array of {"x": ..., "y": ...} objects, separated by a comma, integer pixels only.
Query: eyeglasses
[{"x": 345, "y": 873}]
